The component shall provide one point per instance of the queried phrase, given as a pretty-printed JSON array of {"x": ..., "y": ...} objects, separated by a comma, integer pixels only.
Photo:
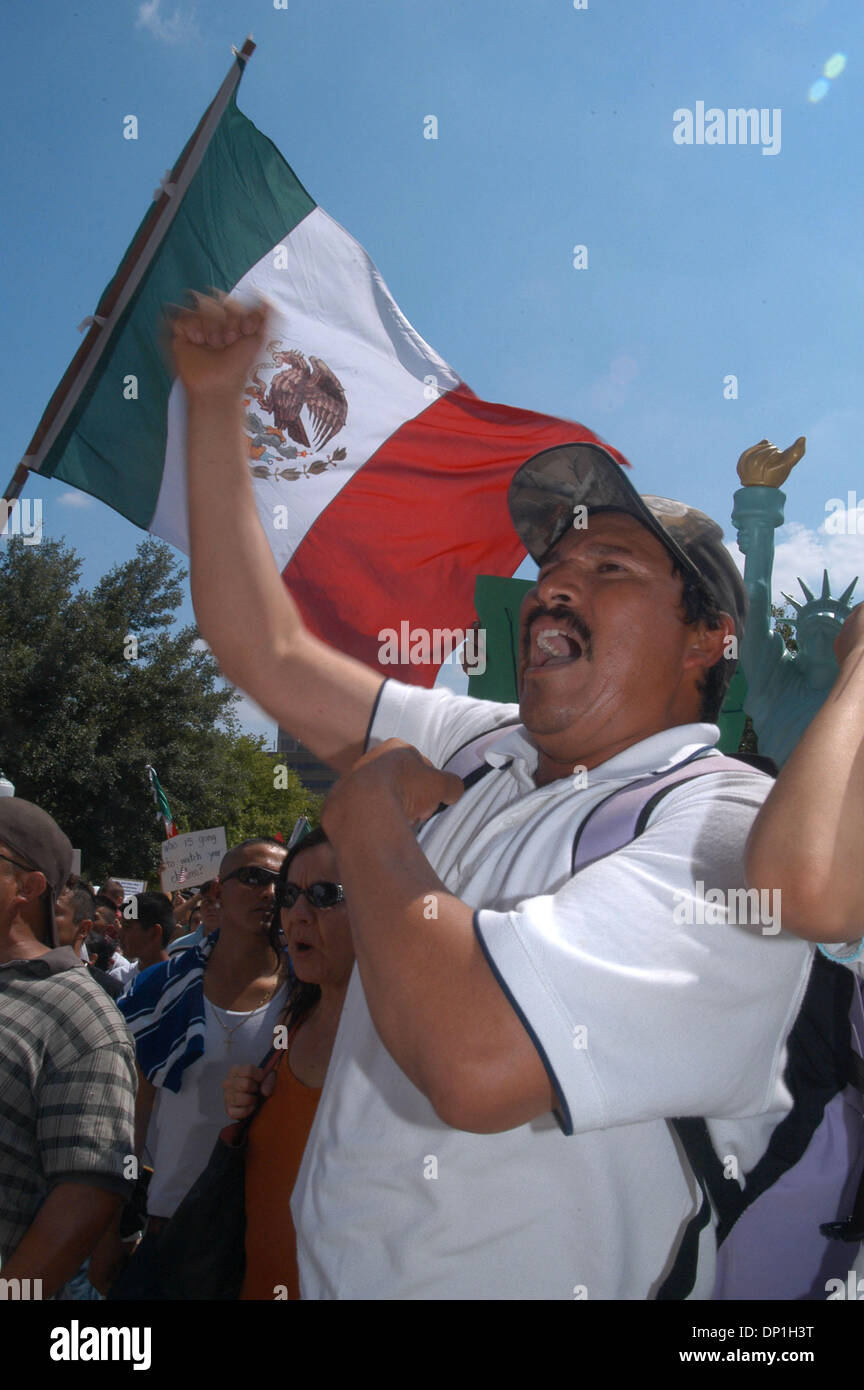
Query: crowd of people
[
  {"x": 468, "y": 1029},
  {"x": 194, "y": 1023}
]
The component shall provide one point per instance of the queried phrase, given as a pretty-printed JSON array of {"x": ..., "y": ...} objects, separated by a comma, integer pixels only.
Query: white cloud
[
  {"x": 199, "y": 645},
  {"x": 75, "y": 499},
  {"x": 179, "y": 28}
]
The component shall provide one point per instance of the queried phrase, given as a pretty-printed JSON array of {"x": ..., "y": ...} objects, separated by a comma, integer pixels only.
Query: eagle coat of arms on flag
[{"x": 305, "y": 397}]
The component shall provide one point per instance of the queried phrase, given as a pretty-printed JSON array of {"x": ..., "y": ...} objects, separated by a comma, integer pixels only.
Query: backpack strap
[
  {"x": 613, "y": 823},
  {"x": 469, "y": 760},
  {"x": 625, "y": 812}
]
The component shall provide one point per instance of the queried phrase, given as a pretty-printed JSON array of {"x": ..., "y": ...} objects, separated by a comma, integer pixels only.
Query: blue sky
[{"x": 554, "y": 130}]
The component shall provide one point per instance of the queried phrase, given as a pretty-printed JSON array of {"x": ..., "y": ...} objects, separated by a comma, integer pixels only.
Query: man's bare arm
[
  {"x": 110, "y": 1253},
  {"x": 243, "y": 608},
  {"x": 806, "y": 840},
  {"x": 64, "y": 1231},
  {"x": 433, "y": 998}
]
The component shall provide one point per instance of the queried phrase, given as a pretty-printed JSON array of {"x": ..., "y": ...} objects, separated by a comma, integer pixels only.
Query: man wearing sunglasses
[
  {"x": 559, "y": 1018},
  {"x": 193, "y": 1017}
]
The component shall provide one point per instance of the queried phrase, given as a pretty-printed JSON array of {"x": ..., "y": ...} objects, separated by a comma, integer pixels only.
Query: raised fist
[{"x": 214, "y": 345}]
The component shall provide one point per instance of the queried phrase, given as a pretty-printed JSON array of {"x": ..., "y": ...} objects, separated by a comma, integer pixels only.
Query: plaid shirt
[{"x": 67, "y": 1087}]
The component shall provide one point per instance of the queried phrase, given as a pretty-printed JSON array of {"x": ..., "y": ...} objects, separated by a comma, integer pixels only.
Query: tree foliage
[{"x": 96, "y": 684}]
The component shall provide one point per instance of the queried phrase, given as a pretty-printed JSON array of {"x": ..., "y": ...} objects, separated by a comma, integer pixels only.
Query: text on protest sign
[{"x": 190, "y": 860}]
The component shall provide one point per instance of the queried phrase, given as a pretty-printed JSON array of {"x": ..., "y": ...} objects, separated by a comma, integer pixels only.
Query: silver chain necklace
[{"x": 229, "y": 1032}]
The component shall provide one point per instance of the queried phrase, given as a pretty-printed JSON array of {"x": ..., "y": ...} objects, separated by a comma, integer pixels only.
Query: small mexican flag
[
  {"x": 380, "y": 478},
  {"x": 163, "y": 814}
]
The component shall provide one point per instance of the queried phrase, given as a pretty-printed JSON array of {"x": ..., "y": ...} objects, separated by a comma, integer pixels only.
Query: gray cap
[
  {"x": 31, "y": 833},
  {"x": 546, "y": 489}
]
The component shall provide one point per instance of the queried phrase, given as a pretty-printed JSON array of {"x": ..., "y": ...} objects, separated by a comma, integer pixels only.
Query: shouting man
[{"x": 495, "y": 1122}]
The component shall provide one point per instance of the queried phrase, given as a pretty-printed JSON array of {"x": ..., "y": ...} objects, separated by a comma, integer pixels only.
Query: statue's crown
[{"x": 824, "y": 605}]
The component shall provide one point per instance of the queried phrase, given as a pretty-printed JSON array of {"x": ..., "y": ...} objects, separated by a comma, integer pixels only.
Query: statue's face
[{"x": 816, "y": 638}]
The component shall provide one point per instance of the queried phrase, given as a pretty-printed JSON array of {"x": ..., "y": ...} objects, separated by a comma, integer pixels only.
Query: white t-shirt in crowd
[
  {"x": 185, "y": 1124},
  {"x": 192, "y": 938},
  {"x": 121, "y": 969},
  {"x": 131, "y": 978},
  {"x": 637, "y": 1017}
]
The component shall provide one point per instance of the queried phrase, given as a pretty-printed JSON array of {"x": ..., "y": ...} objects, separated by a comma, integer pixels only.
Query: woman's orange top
[{"x": 277, "y": 1138}]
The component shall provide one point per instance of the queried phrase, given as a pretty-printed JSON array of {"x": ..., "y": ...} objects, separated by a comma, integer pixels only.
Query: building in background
[{"x": 315, "y": 775}]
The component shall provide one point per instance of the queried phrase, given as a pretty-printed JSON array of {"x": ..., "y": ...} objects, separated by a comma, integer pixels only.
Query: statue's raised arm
[{"x": 757, "y": 512}]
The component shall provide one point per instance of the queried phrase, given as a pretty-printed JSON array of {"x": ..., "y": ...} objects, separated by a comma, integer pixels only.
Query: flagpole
[{"x": 125, "y": 282}]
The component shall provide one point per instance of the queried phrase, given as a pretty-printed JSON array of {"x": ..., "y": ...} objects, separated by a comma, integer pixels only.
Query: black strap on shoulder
[
  {"x": 580, "y": 829},
  {"x": 646, "y": 810},
  {"x": 650, "y": 806},
  {"x": 468, "y": 782},
  {"x": 477, "y": 774}
]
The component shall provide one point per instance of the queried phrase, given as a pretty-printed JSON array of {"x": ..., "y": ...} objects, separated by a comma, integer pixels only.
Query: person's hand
[
  {"x": 394, "y": 770},
  {"x": 109, "y": 1259},
  {"x": 215, "y": 345},
  {"x": 851, "y": 635},
  {"x": 186, "y": 906},
  {"x": 241, "y": 1088},
  {"x": 763, "y": 465}
]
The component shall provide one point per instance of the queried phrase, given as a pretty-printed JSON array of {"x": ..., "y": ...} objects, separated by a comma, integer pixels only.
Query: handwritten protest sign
[
  {"x": 190, "y": 860},
  {"x": 131, "y": 886}
]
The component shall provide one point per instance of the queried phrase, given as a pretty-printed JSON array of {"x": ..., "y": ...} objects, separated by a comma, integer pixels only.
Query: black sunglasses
[
  {"x": 253, "y": 875},
  {"x": 317, "y": 894}
]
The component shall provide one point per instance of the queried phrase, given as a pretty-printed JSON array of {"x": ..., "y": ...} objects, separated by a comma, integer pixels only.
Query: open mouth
[{"x": 552, "y": 645}]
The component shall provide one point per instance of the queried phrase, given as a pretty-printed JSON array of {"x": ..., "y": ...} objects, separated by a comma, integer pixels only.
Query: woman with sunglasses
[{"x": 311, "y": 922}]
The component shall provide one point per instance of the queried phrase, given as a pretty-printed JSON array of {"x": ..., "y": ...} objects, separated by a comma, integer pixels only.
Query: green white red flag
[
  {"x": 163, "y": 811},
  {"x": 380, "y": 478}
]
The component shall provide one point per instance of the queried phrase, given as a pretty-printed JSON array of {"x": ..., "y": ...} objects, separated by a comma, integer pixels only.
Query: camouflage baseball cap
[{"x": 548, "y": 487}]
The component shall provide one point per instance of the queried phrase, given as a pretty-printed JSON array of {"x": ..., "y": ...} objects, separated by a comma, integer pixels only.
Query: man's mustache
[{"x": 559, "y": 617}]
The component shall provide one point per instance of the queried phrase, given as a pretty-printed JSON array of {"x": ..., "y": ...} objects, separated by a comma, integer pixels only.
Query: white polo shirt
[{"x": 637, "y": 1018}]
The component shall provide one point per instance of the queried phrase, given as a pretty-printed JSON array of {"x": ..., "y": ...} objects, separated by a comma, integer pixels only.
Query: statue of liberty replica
[{"x": 785, "y": 689}]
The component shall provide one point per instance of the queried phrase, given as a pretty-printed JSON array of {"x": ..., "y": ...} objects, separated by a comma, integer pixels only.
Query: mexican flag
[
  {"x": 380, "y": 478},
  {"x": 163, "y": 812}
]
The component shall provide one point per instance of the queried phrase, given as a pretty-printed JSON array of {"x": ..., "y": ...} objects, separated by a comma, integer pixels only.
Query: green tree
[
  {"x": 267, "y": 797},
  {"x": 96, "y": 684}
]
